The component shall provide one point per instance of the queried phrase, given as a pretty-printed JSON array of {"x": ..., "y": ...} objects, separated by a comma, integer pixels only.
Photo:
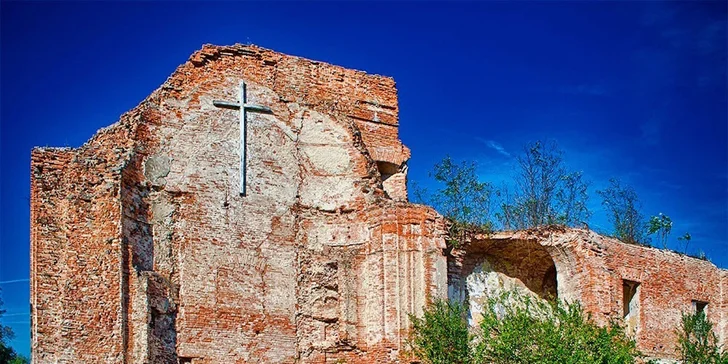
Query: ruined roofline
[
  {"x": 53, "y": 149},
  {"x": 59, "y": 152},
  {"x": 208, "y": 54},
  {"x": 150, "y": 212},
  {"x": 212, "y": 53},
  {"x": 549, "y": 232}
]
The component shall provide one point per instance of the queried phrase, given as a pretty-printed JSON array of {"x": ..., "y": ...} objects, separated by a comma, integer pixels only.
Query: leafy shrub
[
  {"x": 698, "y": 343},
  {"x": 441, "y": 336},
  {"x": 519, "y": 329},
  {"x": 536, "y": 331}
]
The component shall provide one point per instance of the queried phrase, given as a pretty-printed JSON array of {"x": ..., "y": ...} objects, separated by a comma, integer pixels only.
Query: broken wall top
[
  {"x": 369, "y": 101},
  {"x": 148, "y": 215},
  {"x": 593, "y": 269}
]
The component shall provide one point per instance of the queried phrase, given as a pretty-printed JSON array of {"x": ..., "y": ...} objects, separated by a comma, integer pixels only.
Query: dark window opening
[
  {"x": 630, "y": 298},
  {"x": 387, "y": 169},
  {"x": 700, "y": 307},
  {"x": 631, "y": 307}
]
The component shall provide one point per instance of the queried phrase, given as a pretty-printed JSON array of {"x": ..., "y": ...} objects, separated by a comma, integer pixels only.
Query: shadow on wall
[{"x": 490, "y": 268}]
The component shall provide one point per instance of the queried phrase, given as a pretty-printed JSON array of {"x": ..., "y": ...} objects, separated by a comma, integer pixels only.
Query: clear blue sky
[{"x": 635, "y": 90}]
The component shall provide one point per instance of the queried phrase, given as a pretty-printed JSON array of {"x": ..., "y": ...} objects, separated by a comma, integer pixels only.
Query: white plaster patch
[
  {"x": 483, "y": 284},
  {"x": 327, "y": 193},
  {"x": 333, "y": 160},
  {"x": 320, "y": 129},
  {"x": 327, "y": 146}
]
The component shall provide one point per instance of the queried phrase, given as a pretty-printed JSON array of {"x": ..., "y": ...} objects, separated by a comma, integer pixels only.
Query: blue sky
[{"x": 635, "y": 90}]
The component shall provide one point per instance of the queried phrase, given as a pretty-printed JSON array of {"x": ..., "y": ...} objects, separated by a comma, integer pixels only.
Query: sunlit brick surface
[
  {"x": 591, "y": 269},
  {"x": 143, "y": 250}
]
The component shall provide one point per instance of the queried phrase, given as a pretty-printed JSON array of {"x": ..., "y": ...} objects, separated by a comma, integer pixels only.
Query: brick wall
[
  {"x": 143, "y": 251},
  {"x": 591, "y": 268}
]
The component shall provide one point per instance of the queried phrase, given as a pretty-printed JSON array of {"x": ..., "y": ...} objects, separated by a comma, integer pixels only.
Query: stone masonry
[
  {"x": 581, "y": 265},
  {"x": 144, "y": 251}
]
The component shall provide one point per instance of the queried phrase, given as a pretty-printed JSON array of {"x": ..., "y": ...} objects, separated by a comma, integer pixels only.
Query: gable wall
[{"x": 315, "y": 263}]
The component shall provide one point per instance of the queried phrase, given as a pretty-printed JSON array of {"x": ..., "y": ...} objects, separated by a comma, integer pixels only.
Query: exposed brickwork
[
  {"x": 591, "y": 268},
  {"x": 143, "y": 251}
]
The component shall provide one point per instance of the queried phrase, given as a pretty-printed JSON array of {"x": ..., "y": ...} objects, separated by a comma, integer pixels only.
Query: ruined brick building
[{"x": 144, "y": 249}]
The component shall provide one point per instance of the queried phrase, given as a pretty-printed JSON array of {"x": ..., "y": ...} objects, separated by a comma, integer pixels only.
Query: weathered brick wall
[
  {"x": 721, "y": 315},
  {"x": 143, "y": 251},
  {"x": 591, "y": 268},
  {"x": 77, "y": 250},
  {"x": 669, "y": 282},
  {"x": 160, "y": 259}
]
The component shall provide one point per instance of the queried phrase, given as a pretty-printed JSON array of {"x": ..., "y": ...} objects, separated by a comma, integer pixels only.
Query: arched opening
[{"x": 493, "y": 267}]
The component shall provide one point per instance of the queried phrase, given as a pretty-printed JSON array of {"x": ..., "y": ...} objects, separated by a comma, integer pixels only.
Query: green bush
[
  {"x": 698, "y": 343},
  {"x": 441, "y": 336},
  {"x": 536, "y": 331},
  {"x": 517, "y": 329}
]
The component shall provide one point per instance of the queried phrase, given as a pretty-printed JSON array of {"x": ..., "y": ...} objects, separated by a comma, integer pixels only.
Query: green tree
[
  {"x": 572, "y": 200},
  {"x": 441, "y": 336},
  {"x": 545, "y": 191},
  {"x": 7, "y": 353},
  {"x": 698, "y": 343},
  {"x": 19, "y": 359},
  {"x": 686, "y": 238},
  {"x": 662, "y": 226},
  {"x": 417, "y": 193},
  {"x": 462, "y": 198},
  {"x": 623, "y": 206}
]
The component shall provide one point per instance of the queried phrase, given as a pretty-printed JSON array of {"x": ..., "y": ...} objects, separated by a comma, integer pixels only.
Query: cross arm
[{"x": 236, "y": 105}]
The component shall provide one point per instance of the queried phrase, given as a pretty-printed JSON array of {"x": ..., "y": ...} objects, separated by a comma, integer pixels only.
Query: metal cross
[{"x": 243, "y": 107}]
